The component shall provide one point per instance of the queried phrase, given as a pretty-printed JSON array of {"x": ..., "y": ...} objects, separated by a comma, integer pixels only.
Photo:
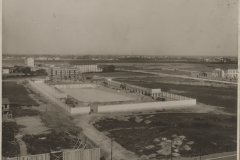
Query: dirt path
[
  {"x": 23, "y": 148},
  {"x": 103, "y": 141}
]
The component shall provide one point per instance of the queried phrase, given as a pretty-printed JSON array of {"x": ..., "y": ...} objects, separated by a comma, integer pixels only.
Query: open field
[
  {"x": 8, "y": 131},
  {"x": 216, "y": 96},
  {"x": 16, "y": 93},
  {"x": 172, "y": 72},
  {"x": 45, "y": 143},
  {"x": 116, "y": 74},
  {"x": 206, "y": 67},
  {"x": 212, "y": 133},
  {"x": 21, "y": 111},
  {"x": 30, "y": 125},
  {"x": 95, "y": 95},
  {"x": 49, "y": 89}
]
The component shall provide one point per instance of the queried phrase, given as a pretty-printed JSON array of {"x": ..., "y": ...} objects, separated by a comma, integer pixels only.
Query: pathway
[
  {"x": 101, "y": 140},
  {"x": 23, "y": 148}
]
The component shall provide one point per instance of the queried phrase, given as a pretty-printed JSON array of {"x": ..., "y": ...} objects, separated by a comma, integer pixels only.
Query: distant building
[
  {"x": 88, "y": 68},
  {"x": 29, "y": 62},
  {"x": 6, "y": 113},
  {"x": 42, "y": 58},
  {"x": 232, "y": 73},
  {"x": 64, "y": 72},
  {"x": 5, "y": 71},
  {"x": 218, "y": 73}
]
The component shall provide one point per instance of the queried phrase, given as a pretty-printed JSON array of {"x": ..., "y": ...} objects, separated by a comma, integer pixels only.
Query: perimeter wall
[
  {"x": 83, "y": 85},
  {"x": 54, "y": 98},
  {"x": 144, "y": 106},
  {"x": 179, "y": 102},
  {"x": 78, "y": 154}
]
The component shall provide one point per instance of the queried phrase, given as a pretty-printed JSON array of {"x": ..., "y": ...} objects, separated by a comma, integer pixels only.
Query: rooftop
[{"x": 5, "y": 101}]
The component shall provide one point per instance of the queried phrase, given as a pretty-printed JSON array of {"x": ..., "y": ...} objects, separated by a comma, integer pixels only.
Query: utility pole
[
  {"x": 111, "y": 146},
  {"x": 171, "y": 149}
]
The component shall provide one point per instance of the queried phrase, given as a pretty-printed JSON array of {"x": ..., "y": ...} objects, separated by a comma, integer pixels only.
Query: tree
[
  {"x": 26, "y": 70},
  {"x": 110, "y": 68}
]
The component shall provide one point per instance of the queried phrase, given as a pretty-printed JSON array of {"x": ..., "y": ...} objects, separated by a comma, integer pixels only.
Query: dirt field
[
  {"x": 213, "y": 133},
  {"x": 31, "y": 125},
  {"x": 48, "y": 88},
  {"x": 95, "y": 95},
  {"x": 8, "y": 131}
]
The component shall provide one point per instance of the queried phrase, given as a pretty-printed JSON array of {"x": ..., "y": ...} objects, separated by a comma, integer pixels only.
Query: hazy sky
[{"x": 163, "y": 27}]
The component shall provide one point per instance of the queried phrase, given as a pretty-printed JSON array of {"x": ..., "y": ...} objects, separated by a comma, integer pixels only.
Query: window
[{"x": 6, "y": 106}]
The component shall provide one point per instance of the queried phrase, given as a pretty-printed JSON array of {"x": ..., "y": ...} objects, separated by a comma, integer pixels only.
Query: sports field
[{"x": 95, "y": 95}]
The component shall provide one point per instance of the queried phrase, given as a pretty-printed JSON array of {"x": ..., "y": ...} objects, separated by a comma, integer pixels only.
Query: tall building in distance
[{"x": 29, "y": 62}]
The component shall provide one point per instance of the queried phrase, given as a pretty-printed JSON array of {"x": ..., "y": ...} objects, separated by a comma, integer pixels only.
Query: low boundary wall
[
  {"x": 54, "y": 98},
  {"x": 181, "y": 101},
  {"x": 174, "y": 96},
  {"x": 144, "y": 106},
  {"x": 79, "y": 154},
  {"x": 83, "y": 85}
]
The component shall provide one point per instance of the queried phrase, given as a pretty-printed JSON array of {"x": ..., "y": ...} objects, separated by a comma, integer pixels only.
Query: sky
[{"x": 138, "y": 27}]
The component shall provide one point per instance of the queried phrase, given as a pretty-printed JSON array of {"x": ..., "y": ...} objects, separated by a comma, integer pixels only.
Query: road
[
  {"x": 101, "y": 140},
  {"x": 230, "y": 157},
  {"x": 163, "y": 74}
]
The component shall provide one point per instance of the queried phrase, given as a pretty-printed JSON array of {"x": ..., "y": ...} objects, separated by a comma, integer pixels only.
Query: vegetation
[
  {"x": 110, "y": 68},
  {"x": 216, "y": 96},
  {"x": 210, "y": 132},
  {"x": 17, "y": 94},
  {"x": 44, "y": 143},
  {"x": 8, "y": 131}
]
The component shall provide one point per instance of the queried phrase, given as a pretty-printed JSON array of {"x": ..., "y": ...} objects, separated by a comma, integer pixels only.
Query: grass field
[
  {"x": 116, "y": 74},
  {"x": 171, "y": 72},
  {"x": 19, "y": 111},
  {"x": 209, "y": 132},
  {"x": 216, "y": 96},
  {"x": 17, "y": 94},
  {"x": 8, "y": 130},
  {"x": 45, "y": 143}
]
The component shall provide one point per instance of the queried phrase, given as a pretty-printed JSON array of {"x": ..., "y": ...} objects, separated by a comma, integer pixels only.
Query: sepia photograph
[{"x": 120, "y": 80}]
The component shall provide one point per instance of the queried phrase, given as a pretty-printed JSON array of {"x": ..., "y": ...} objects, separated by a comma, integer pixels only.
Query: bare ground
[{"x": 100, "y": 138}]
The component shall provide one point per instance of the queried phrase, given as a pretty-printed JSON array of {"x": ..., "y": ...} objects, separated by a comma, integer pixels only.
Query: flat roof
[{"x": 5, "y": 101}]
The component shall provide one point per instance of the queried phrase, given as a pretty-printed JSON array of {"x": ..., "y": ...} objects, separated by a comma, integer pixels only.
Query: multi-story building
[
  {"x": 232, "y": 73},
  {"x": 88, "y": 68},
  {"x": 29, "y": 62},
  {"x": 64, "y": 72},
  {"x": 218, "y": 73}
]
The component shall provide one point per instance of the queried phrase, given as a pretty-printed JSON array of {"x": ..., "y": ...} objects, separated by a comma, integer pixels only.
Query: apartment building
[
  {"x": 64, "y": 72},
  {"x": 88, "y": 68},
  {"x": 29, "y": 62}
]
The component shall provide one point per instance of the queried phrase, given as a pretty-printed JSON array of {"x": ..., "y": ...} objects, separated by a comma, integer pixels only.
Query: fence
[
  {"x": 52, "y": 97},
  {"x": 174, "y": 96},
  {"x": 83, "y": 85},
  {"x": 79, "y": 154}
]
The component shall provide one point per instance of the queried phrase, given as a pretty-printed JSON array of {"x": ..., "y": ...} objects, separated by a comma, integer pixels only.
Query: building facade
[
  {"x": 232, "y": 73},
  {"x": 29, "y": 62},
  {"x": 218, "y": 73},
  {"x": 64, "y": 72},
  {"x": 88, "y": 68},
  {"x": 5, "y": 71}
]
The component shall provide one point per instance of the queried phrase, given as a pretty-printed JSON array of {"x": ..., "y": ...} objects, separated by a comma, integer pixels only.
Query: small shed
[{"x": 5, "y": 104}]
